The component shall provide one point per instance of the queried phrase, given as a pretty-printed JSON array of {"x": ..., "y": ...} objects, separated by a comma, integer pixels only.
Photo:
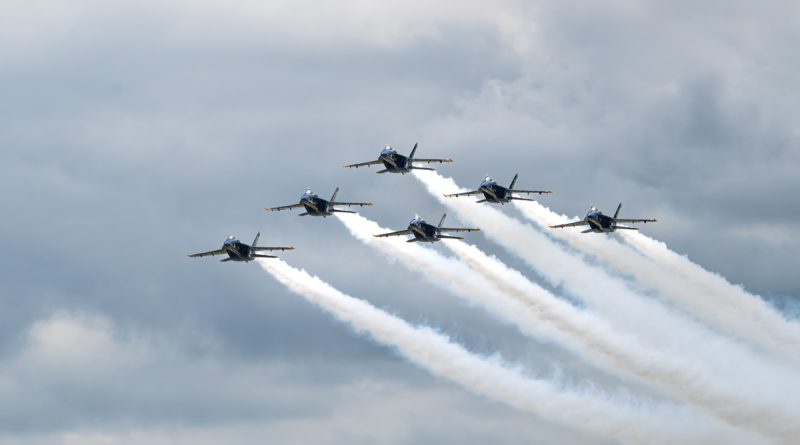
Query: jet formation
[{"x": 422, "y": 231}]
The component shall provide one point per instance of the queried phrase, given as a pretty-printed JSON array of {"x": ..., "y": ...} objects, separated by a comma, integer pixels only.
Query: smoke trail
[
  {"x": 734, "y": 367},
  {"x": 424, "y": 347},
  {"x": 706, "y": 295},
  {"x": 537, "y": 312}
]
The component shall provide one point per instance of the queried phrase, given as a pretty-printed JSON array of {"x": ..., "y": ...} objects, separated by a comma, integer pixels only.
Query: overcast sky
[{"x": 134, "y": 132}]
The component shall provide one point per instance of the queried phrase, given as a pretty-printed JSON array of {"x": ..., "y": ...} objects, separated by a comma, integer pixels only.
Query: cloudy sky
[{"x": 134, "y": 132}]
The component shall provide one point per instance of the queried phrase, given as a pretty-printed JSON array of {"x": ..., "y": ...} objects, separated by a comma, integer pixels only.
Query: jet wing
[
  {"x": 582, "y": 222},
  {"x": 398, "y": 233},
  {"x": 431, "y": 161},
  {"x": 363, "y": 164},
  {"x": 258, "y": 249},
  {"x": 213, "y": 252},
  {"x": 625, "y": 220},
  {"x": 474, "y": 192},
  {"x": 532, "y": 192},
  {"x": 352, "y": 203},
  {"x": 458, "y": 229},
  {"x": 278, "y": 209}
]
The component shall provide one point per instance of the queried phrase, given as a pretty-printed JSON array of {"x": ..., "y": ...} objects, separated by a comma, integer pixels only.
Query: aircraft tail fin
[
  {"x": 626, "y": 227},
  {"x": 513, "y": 181},
  {"x": 225, "y": 259},
  {"x": 333, "y": 197},
  {"x": 617, "y": 212},
  {"x": 481, "y": 200},
  {"x": 413, "y": 150},
  {"x": 441, "y": 221},
  {"x": 255, "y": 241},
  {"x": 412, "y": 240},
  {"x": 423, "y": 168},
  {"x": 380, "y": 172},
  {"x": 302, "y": 214},
  {"x": 586, "y": 231},
  {"x": 517, "y": 198},
  {"x": 342, "y": 211},
  {"x": 261, "y": 255}
]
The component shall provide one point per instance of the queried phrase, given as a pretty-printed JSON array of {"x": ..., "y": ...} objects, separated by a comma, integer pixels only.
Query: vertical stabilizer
[
  {"x": 255, "y": 241},
  {"x": 413, "y": 150},
  {"x": 617, "y": 212},
  {"x": 441, "y": 221},
  {"x": 513, "y": 181},
  {"x": 333, "y": 198}
]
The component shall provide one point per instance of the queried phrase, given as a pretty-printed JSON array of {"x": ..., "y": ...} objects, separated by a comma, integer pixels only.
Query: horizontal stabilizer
[
  {"x": 450, "y": 237},
  {"x": 342, "y": 211},
  {"x": 380, "y": 172},
  {"x": 586, "y": 231},
  {"x": 303, "y": 214},
  {"x": 481, "y": 200},
  {"x": 423, "y": 168},
  {"x": 259, "y": 255},
  {"x": 517, "y": 198},
  {"x": 225, "y": 259},
  {"x": 626, "y": 227}
]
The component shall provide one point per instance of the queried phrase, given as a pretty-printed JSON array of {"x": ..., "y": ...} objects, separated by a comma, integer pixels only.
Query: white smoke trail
[
  {"x": 705, "y": 295},
  {"x": 601, "y": 416},
  {"x": 734, "y": 366},
  {"x": 538, "y": 313}
]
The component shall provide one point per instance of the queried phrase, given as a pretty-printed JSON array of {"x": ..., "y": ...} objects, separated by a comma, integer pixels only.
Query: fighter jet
[
  {"x": 316, "y": 206},
  {"x": 397, "y": 163},
  {"x": 424, "y": 232},
  {"x": 239, "y": 251},
  {"x": 498, "y": 194},
  {"x": 600, "y": 223}
]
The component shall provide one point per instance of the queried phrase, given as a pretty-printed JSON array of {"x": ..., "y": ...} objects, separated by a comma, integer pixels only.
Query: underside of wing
[
  {"x": 363, "y": 164},
  {"x": 432, "y": 161},
  {"x": 474, "y": 192},
  {"x": 398, "y": 233},
  {"x": 258, "y": 249},
  {"x": 278, "y": 209},
  {"x": 213, "y": 252},
  {"x": 572, "y": 224},
  {"x": 532, "y": 192},
  {"x": 459, "y": 229},
  {"x": 362, "y": 204},
  {"x": 625, "y": 220}
]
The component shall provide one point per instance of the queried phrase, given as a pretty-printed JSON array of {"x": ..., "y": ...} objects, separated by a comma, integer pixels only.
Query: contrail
[
  {"x": 676, "y": 335},
  {"x": 536, "y": 312},
  {"x": 705, "y": 295},
  {"x": 597, "y": 414}
]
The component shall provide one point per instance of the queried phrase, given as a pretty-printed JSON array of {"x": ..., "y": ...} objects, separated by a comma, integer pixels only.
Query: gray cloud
[{"x": 136, "y": 133}]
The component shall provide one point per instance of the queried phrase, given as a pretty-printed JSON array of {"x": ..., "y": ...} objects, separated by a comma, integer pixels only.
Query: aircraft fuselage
[
  {"x": 237, "y": 250},
  {"x": 395, "y": 162},
  {"x": 423, "y": 231},
  {"x": 316, "y": 206},
  {"x": 600, "y": 223},
  {"x": 495, "y": 193}
]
